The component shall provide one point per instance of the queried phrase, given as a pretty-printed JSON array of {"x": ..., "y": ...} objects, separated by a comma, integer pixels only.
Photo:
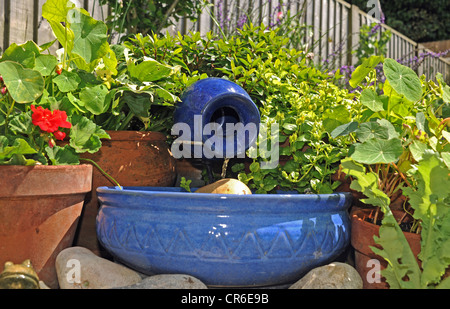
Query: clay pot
[
  {"x": 361, "y": 240},
  {"x": 132, "y": 158},
  {"x": 39, "y": 211}
]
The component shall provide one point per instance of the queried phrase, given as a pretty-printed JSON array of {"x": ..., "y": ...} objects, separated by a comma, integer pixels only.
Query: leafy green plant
[
  {"x": 402, "y": 146},
  {"x": 301, "y": 99},
  {"x": 370, "y": 43},
  {"x": 92, "y": 84}
]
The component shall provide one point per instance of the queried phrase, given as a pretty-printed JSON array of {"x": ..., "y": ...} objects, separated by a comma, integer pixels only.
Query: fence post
[{"x": 353, "y": 37}]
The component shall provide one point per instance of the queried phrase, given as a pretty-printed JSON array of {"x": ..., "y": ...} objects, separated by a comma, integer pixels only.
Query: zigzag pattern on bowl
[{"x": 287, "y": 240}]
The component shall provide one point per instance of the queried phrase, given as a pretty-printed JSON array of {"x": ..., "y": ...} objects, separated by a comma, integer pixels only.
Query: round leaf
[
  {"x": 403, "y": 79},
  {"x": 370, "y": 130},
  {"x": 95, "y": 99},
  {"x": 375, "y": 150},
  {"x": 45, "y": 64},
  {"x": 67, "y": 81},
  {"x": 370, "y": 99},
  {"x": 24, "y": 85},
  {"x": 90, "y": 36}
]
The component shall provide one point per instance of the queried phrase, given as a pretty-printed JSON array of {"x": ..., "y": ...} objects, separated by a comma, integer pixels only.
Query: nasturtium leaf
[
  {"x": 373, "y": 101},
  {"x": 362, "y": 70},
  {"x": 377, "y": 150},
  {"x": 370, "y": 130},
  {"x": 94, "y": 99},
  {"x": 19, "y": 54},
  {"x": 149, "y": 70},
  {"x": 62, "y": 155},
  {"x": 67, "y": 81},
  {"x": 90, "y": 36},
  {"x": 390, "y": 128},
  {"x": 403, "y": 79},
  {"x": 24, "y": 85},
  {"x": 45, "y": 64},
  {"x": 63, "y": 34},
  {"x": 345, "y": 129},
  {"x": 56, "y": 10}
]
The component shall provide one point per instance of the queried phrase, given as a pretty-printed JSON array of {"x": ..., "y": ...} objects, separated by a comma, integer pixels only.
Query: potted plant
[
  {"x": 110, "y": 89},
  {"x": 44, "y": 186},
  {"x": 400, "y": 163}
]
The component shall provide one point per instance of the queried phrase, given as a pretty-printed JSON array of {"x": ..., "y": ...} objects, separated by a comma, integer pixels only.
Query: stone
[
  {"x": 80, "y": 268},
  {"x": 332, "y": 276},
  {"x": 168, "y": 281}
]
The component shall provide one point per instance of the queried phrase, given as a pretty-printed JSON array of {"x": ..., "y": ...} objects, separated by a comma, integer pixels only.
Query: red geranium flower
[{"x": 50, "y": 121}]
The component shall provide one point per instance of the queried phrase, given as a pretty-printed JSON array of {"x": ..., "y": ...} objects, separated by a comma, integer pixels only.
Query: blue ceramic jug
[{"x": 216, "y": 118}]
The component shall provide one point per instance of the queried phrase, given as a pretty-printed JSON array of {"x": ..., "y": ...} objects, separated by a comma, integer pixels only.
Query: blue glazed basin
[{"x": 224, "y": 240}]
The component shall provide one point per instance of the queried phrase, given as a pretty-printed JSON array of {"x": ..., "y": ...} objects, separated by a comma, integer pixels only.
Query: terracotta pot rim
[
  {"x": 43, "y": 180},
  {"x": 124, "y": 135},
  {"x": 47, "y": 167},
  {"x": 355, "y": 214}
]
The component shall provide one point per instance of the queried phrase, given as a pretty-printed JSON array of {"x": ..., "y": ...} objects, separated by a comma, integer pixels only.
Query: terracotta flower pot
[
  {"x": 132, "y": 158},
  {"x": 39, "y": 211},
  {"x": 361, "y": 240}
]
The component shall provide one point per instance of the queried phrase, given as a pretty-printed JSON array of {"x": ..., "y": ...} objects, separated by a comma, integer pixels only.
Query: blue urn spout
[{"x": 216, "y": 118}]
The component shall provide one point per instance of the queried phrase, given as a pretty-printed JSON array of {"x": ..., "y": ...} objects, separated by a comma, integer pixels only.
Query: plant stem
[
  {"x": 103, "y": 172},
  {"x": 126, "y": 121},
  {"x": 7, "y": 116}
]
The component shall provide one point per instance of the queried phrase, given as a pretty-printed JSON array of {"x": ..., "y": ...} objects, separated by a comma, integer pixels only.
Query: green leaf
[
  {"x": 417, "y": 150},
  {"x": 15, "y": 154},
  {"x": 345, "y": 129},
  {"x": 85, "y": 135},
  {"x": 403, "y": 79},
  {"x": 370, "y": 130},
  {"x": 333, "y": 118},
  {"x": 94, "y": 99},
  {"x": 374, "y": 102},
  {"x": 45, "y": 64},
  {"x": 139, "y": 104},
  {"x": 366, "y": 183},
  {"x": 149, "y": 70},
  {"x": 62, "y": 156},
  {"x": 18, "y": 53},
  {"x": 67, "y": 81},
  {"x": 430, "y": 204},
  {"x": 90, "y": 36},
  {"x": 378, "y": 151},
  {"x": 361, "y": 71},
  {"x": 56, "y": 10},
  {"x": 24, "y": 85}
]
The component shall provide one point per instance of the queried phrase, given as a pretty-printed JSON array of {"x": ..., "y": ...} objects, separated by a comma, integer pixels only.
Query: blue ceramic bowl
[{"x": 224, "y": 240}]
